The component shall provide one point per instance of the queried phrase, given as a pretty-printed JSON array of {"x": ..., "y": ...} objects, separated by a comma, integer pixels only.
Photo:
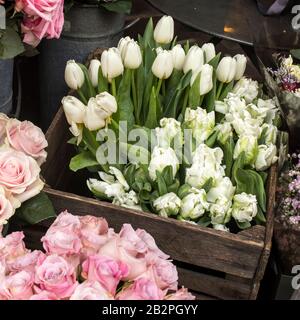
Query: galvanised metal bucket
[
  {"x": 86, "y": 28},
  {"x": 6, "y": 82}
]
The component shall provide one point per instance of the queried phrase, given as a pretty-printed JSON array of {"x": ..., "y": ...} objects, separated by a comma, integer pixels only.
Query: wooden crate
[{"x": 212, "y": 263}]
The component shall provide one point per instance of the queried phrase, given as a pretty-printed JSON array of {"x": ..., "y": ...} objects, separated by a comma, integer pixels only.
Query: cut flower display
[
  {"x": 84, "y": 259},
  {"x": 181, "y": 132}
]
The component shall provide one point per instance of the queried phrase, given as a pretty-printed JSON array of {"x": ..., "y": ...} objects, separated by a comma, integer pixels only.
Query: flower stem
[
  {"x": 134, "y": 96},
  {"x": 185, "y": 101},
  {"x": 219, "y": 90},
  {"x": 158, "y": 87},
  {"x": 82, "y": 97},
  {"x": 113, "y": 88}
]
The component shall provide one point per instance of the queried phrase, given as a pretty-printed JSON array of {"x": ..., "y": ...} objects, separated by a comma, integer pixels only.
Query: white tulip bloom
[
  {"x": 226, "y": 69},
  {"x": 74, "y": 109},
  {"x": 206, "y": 165},
  {"x": 163, "y": 66},
  {"x": 107, "y": 102},
  {"x": 111, "y": 63},
  {"x": 247, "y": 89},
  {"x": 235, "y": 104},
  {"x": 74, "y": 76},
  {"x": 131, "y": 55},
  {"x": 95, "y": 64},
  {"x": 244, "y": 124},
  {"x": 267, "y": 155},
  {"x": 223, "y": 188},
  {"x": 269, "y": 132},
  {"x": 209, "y": 51},
  {"x": 169, "y": 131},
  {"x": 220, "y": 227},
  {"x": 167, "y": 205},
  {"x": 194, "y": 59},
  {"x": 104, "y": 189},
  {"x": 123, "y": 43},
  {"x": 247, "y": 144},
  {"x": 161, "y": 158},
  {"x": 206, "y": 79},
  {"x": 178, "y": 56},
  {"x": 271, "y": 107},
  {"x": 194, "y": 205},
  {"x": 128, "y": 200},
  {"x": 244, "y": 207},
  {"x": 220, "y": 212},
  {"x": 200, "y": 122},
  {"x": 164, "y": 30},
  {"x": 241, "y": 64},
  {"x": 224, "y": 132}
]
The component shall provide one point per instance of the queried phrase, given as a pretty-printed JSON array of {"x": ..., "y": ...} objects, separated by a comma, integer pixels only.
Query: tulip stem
[
  {"x": 134, "y": 94},
  {"x": 219, "y": 90},
  {"x": 164, "y": 88},
  {"x": 185, "y": 102},
  {"x": 158, "y": 87},
  {"x": 201, "y": 100},
  {"x": 113, "y": 88},
  {"x": 81, "y": 96}
]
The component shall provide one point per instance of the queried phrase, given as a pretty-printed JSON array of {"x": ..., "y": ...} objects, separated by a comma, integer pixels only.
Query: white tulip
[
  {"x": 122, "y": 43},
  {"x": 107, "y": 102},
  {"x": 224, "y": 132},
  {"x": 220, "y": 227},
  {"x": 167, "y": 205},
  {"x": 131, "y": 55},
  {"x": 247, "y": 89},
  {"x": 93, "y": 71},
  {"x": 178, "y": 56},
  {"x": 194, "y": 205},
  {"x": 200, "y": 122},
  {"x": 222, "y": 188},
  {"x": 266, "y": 157},
  {"x": 206, "y": 165},
  {"x": 235, "y": 104},
  {"x": 163, "y": 66},
  {"x": 74, "y": 109},
  {"x": 170, "y": 129},
  {"x": 270, "y": 106},
  {"x": 94, "y": 117},
  {"x": 247, "y": 144},
  {"x": 269, "y": 132},
  {"x": 104, "y": 189},
  {"x": 74, "y": 76},
  {"x": 226, "y": 70},
  {"x": 244, "y": 207},
  {"x": 241, "y": 63},
  {"x": 164, "y": 30},
  {"x": 243, "y": 124},
  {"x": 209, "y": 51},
  {"x": 220, "y": 212},
  {"x": 194, "y": 59},
  {"x": 128, "y": 200},
  {"x": 111, "y": 63},
  {"x": 206, "y": 79},
  {"x": 161, "y": 158}
]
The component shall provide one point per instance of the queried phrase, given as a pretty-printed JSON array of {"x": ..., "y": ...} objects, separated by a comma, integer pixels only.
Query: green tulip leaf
[
  {"x": 83, "y": 160},
  {"x": 120, "y": 6}
]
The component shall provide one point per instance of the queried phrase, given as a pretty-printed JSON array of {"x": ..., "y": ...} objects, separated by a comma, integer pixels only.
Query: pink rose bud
[
  {"x": 181, "y": 294},
  {"x": 105, "y": 270},
  {"x": 25, "y": 262},
  {"x": 91, "y": 290},
  {"x": 56, "y": 275},
  {"x": 141, "y": 289},
  {"x": 12, "y": 246},
  {"x": 28, "y": 138}
]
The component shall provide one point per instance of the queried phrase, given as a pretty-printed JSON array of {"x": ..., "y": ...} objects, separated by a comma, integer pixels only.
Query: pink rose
[
  {"x": 3, "y": 121},
  {"x": 105, "y": 270},
  {"x": 44, "y": 295},
  {"x": 181, "y": 294},
  {"x": 42, "y": 19},
  {"x": 93, "y": 234},
  {"x": 6, "y": 208},
  {"x": 131, "y": 241},
  {"x": 12, "y": 246},
  {"x": 164, "y": 274},
  {"x": 66, "y": 219},
  {"x": 17, "y": 286},
  {"x": 91, "y": 290},
  {"x": 141, "y": 289},
  {"x": 151, "y": 244},
  {"x": 56, "y": 275},
  {"x": 19, "y": 174},
  {"x": 25, "y": 136},
  {"x": 25, "y": 262}
]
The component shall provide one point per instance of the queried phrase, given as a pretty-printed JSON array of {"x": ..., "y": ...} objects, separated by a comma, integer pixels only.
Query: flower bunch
[
  {"x": 289, "y": 190},
  {"x": 84, "y": 259},
  {"x": 186, "y": 135},
  {"x": 22, "y": 151}
]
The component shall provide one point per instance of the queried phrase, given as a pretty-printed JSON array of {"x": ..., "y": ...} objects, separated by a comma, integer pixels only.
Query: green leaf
[
  {"x": 208, "y": 184},
  {"x": 243, "y": 225},
  {"x": 184, "y": 190},
  {"x": 140, "y": 84},
  {"x": 120, "y": 6},
  {"x": 210, "y": 97},
  {"x": 151, "y": 121},
  {"x": 172, "y": 84},
  {"x": 186, "y": 46},
  {"x": 238, "y": 163},
  {"x": 162, "y": 187},
  {"x": 83, "y": 160},
  {"x": 228, "y": 149},
  {"x": 10, "y": 44},
  {"x": 194, "y": 94},
  {"x": 174, "y": 186},
  {"x": 36, "y": 209},
  {"x": 72, "y": 140},
  {"x": 204, "y": 221},
  {"x": 228, "y": 88},
  {"x": 89, "y": 139},
  {"x": 264, "y": 176},
  {"x": 148, "y": 38},
  {"x": 260, "y": 217},
  {"x": 102, "y": 82},
  {"x": 167, "y": 174},
  {"x": 215, "y": 61},
  {"x": 210, "y": 142},
  {"x": 296, "y": 53},
  {"x": 90, "y": 89}
]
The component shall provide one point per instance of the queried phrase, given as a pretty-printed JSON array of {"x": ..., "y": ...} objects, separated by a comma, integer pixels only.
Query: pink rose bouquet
[
  {"x": 84, "y": 259},
  {"x": 22, "y": 151}
]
